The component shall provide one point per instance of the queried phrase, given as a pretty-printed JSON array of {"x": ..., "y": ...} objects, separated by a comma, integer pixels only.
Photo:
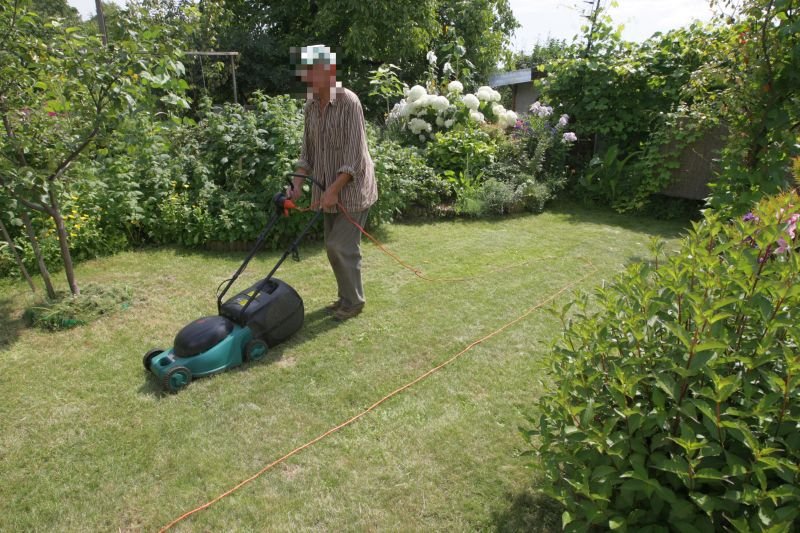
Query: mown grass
[{"x": 88, "y": 442}]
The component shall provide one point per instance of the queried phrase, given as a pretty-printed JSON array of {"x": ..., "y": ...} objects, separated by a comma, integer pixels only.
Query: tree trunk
[
  {"x": 66, "y": 257},
  {"x": 48, "y": 285},
  {"x": 101, "y": 21},
  {"x": 18, "y": 259}
]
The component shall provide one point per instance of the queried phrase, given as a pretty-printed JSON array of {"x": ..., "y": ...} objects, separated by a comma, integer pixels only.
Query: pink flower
[
  {"x": 791, "y": 226},
  {"x": 783, "y": 246}
]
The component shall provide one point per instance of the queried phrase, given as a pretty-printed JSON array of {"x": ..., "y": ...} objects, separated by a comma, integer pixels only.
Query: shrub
[
  {"x": 405, "y": 182},
  {"x": 678, "y": 401},
  {"x": 466, "y": 150},
  {"x": 498, "y": 196}
]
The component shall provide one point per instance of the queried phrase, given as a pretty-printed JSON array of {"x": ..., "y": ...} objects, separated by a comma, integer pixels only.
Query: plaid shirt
[{"x": 334, "y": 142}]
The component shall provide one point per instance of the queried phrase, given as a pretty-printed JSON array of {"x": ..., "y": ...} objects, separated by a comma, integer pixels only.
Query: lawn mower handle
[
  {"x": 310, "y": 178},
  {"x": 278, "y": 201}
]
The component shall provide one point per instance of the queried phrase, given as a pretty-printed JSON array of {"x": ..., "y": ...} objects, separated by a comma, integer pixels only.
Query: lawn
[{"x": 88, "y": 441}]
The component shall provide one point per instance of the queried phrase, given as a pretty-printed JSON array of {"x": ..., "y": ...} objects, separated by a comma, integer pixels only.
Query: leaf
[
  {"x": 680, "y": 332},
  {"x": 616, "y": 523}
]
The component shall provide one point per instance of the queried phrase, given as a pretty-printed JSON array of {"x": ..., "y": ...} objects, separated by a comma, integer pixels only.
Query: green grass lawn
[{"x": 88, "y": 442}]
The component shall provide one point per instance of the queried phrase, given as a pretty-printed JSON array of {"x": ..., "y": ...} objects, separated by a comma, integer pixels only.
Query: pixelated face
[{"x": 319, "y": 76}]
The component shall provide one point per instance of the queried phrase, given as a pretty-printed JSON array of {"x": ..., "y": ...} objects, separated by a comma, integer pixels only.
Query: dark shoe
[
  {"x": 344, "y": 313},
  {"x": 332, "y": 308}
]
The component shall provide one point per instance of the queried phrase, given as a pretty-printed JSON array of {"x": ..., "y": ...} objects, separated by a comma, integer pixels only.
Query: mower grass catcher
[{"x": 264, "y": 315}]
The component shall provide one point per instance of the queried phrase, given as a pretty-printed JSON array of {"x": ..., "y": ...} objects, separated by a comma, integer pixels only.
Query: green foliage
[
  {"x": 498, "y": 197},
  {"x": 640, "y": 100},
  {"x": 50, "y": 252},
  {"x": 758, "y": 102},
  {"x": 677, "y": 390},
  {"x": 405, "y": 182},
  {"x": 62, "y": 91},
  {"x": 385, "y": 84},
  {"x": 210, "y": 180},
  {"x": 366, "y": 34},
  {"x": 461, "y": 150},
  {"x": 69, "y": 311}
]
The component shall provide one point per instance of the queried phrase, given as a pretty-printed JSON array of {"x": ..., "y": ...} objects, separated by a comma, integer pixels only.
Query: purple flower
[
  {"x": 750, "y": 217},
  {"x": 791, "y": 226},
  {"x": 783, "y": 246},
  {"x": 570, "y": 137}
]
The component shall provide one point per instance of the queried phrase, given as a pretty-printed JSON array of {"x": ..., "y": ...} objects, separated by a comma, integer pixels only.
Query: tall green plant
[{"x": 676, "y": 395}]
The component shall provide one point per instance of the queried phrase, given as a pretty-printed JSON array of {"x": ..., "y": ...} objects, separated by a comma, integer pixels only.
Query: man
[{"x": 335, "y": 152}]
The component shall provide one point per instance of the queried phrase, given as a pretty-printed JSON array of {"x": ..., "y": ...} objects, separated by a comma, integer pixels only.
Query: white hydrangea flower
[
  {"x": 498, "y": 110},
  {"x": 471, "y": 101},
  {"x": 431, "y": 57},
  {"x": 477, "y": 116},
  {"x": 416, "y": 92},
  {"x": 440, "y": 103},
  {"x": 484, "y": 93},
  {"x": 495, "y": 96},
  {"x": 449, "y": 123},
  {"x": 397, "y": 111},
  {"x": 447, "y": 69},
  {"x": 439, "y": 121},
  {"x": 455, "y": 86},
  {"x": 417, "y": 126},
  {"x": 507, "y": 119},
  {"x": 422, "y": 138},
  {"x": 570, "y": 137}
]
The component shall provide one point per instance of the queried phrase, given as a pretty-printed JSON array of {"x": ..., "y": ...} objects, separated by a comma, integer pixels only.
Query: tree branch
[
  {"x": 75, "y": 153},
  {"x": 10, "y": 134}
]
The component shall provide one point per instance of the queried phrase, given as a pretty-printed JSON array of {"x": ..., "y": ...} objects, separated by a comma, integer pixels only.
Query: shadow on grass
[
  {"x": 592, "y": 215},
  {"x": 12, "y": 326},
  {"x": 528, "y": 511},
  {"x": 316, "y": 323}
]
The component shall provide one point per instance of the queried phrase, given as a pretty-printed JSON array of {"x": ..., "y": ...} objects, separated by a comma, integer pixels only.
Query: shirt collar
[{"x": 336, "y": 93}]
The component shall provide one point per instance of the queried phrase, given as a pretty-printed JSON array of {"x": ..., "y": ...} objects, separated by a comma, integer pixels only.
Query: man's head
[{"x": 316, "y": 66}]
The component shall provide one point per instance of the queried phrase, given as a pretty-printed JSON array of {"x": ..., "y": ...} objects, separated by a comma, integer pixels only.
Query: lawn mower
[{"x": 246, "y": 326}]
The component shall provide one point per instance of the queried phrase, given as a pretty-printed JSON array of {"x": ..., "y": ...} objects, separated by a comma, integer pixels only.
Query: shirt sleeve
[
  {"x": 354, "y": 143},
  {"x": 307, "y": 149}
]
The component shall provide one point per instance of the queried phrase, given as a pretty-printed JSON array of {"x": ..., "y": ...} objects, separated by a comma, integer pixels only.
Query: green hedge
[{"x": 676, "y": 403}]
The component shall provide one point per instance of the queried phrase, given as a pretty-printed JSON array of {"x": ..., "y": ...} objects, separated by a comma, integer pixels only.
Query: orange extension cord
[{"x": 395, "y": 392}]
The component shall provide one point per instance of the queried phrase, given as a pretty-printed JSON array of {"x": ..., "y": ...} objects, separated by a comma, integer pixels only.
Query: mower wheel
[
  {"x": 255, "y": 350},
  {"x": 148, "y": 357},
  {"x": 177, "y": 378}
]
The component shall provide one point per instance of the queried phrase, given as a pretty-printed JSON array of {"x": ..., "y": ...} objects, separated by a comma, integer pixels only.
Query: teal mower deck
[{"x": 246, "y": 326}]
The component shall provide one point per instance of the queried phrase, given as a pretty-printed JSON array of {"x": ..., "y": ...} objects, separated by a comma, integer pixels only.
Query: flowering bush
[
  {"x": 546, "y": 143},
  {"x": 678, "y": 402},
  {"x": 421, "y": 115}
]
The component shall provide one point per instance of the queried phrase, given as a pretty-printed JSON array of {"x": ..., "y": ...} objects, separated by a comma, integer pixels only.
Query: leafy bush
[
  {"x": 466, "y": 150},
  {"x": 50, "y": 253},
  {"x": 405, "y": 182},
  {"x": 498, "y": 197},
  {"x": 678, "y": 401},
  {"x": 210, "y": 180}
]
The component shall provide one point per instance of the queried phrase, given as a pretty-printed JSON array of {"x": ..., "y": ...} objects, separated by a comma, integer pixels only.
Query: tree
[
  {"x": 760, "y": 101},
  {"x": 61, "y": 90},
  {"x": 365, "y": 35}
]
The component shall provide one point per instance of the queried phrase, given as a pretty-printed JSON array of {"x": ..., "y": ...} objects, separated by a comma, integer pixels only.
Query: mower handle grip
[{"x": 305, "y": 177}]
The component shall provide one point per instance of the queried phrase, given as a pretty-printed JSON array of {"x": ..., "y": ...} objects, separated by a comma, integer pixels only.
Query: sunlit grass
[{"x": 88, "y": 442}]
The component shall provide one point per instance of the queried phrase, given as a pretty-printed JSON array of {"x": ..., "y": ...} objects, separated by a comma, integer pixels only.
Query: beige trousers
[{"x": 343, "y": 244}]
